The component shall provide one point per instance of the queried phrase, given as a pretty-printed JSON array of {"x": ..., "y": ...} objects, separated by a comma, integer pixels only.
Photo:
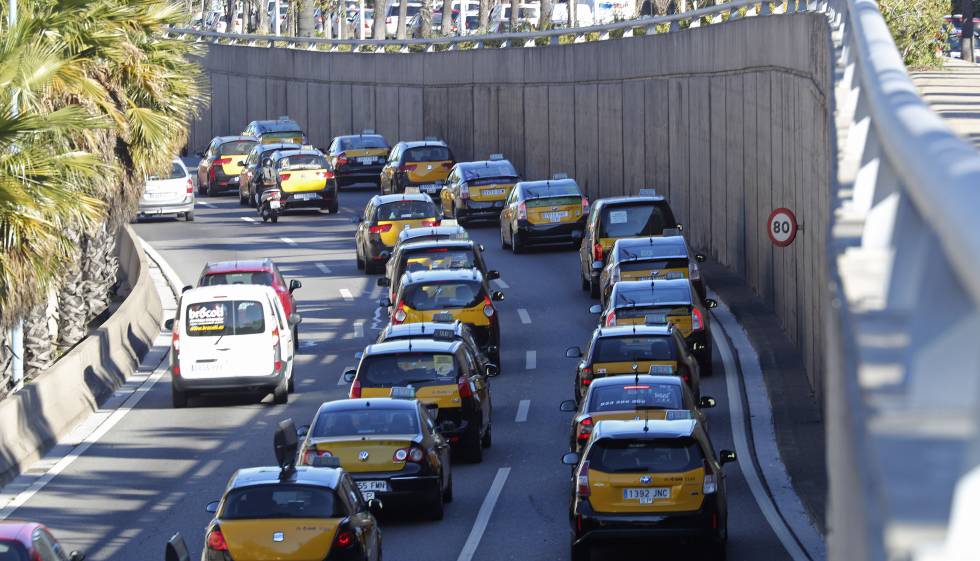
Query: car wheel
[
  {"x": 436, "y": 508},
  {"x": 474, "y": 449},
  {"x": 593, "y": 288},
  {"x": 189, "y": 216},
  {"x": 274, "y": 218},
  {"x": 581, "y": 552},
  {"x": 515, "y": 246},
  {"x": 280, "y": 395},
  {"x": 487, "y": 440},
  {"x": 178, "y": 398},
  {"x": 208, "y": 191},
  {"x": 585, "y": 282},
  {"x": 334, "y": 208},
  {"x": 242, "y": 199},
  {"x": 447, "y": 493},
  {"x": 360, "y": 260},
  {"x": 503, "y": 239}
]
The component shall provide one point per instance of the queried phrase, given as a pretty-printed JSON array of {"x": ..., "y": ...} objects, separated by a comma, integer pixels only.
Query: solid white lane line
[
  {"x": 483, "y": 516},
  {"x": 525, "y": 317},
  {"x": 248, "y": 219},
  {"x": 531, "y": 360},
  {"x": 522, "y": 409},
  {"x": 323, "y": 268},
  {"x": 502, "y": 284},
  {"x": 359, "y": 329},
  {"x": 346, "y": 294},
  {"x": 289, "y": 241}
]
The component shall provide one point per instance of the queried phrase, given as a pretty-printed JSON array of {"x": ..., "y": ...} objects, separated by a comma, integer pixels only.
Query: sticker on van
[{"x": 208, "y": 317}]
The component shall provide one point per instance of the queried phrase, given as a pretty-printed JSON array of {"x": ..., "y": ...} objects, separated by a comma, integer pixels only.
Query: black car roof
[{"x": 653, "y": 247}]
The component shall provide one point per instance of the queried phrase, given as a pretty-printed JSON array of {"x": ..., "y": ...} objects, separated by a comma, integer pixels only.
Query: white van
[{"x": 231, "y": 338}]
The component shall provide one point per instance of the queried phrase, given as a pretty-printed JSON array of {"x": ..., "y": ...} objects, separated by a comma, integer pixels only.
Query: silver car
[{"x": 171, "y": 194}]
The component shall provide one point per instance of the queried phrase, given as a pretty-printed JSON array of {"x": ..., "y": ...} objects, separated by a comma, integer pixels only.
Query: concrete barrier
[
  {"x": 32, "y": 419},
  {"x": 724, "y": 123}
]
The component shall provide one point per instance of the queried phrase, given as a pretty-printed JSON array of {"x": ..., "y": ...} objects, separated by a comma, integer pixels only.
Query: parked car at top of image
[
  {"x": 384, "y": 217},
  {"x": 661, "y": 257},
  {"x": 169, "y": 194},
  {"x": 358, "y": 158},
  {"x": 275, "y": 131},
  {"x": 250, "y": 182},
  {"x": 477, "y": 190},
  {"x": 391, "y": 17},
  {"x": 218, "y": 171},
  {"x": 553, "y": 211},
  {"x": 30, "y": 541},
  {"x": 305, "y": 179},
  {"x": 254, "y": 271},
  {"x": 528, "y": 16},
  {"x": 423, "y": 163},
  {"x": 231, "y": 338}
]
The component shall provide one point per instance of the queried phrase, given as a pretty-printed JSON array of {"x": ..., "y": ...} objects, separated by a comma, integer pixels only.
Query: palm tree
[
  {"x": 447, "y": 18},
  {"x": 380, "y": 10},
  {"x": 425, "y": 19},
  {"x": 402, "y": 17},
  {"x": 515, "y": 6},
  {"x": 544, "y": 20},
  {"x": 484, "y": 16}
]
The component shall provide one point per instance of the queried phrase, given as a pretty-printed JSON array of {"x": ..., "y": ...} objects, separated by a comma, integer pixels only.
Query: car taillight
[
  {"x": 344, "y": 539},
  {"x": 355, "y": 389},
  {"x": 464, "y": 191},
  {"x": 310, "y": 454},
  {"x": 584, "y": 429},
  {"x": 222, "y": 161},
  {"x": 175, "y": 340},
  {"x": 488, "y": 307},
  {"x": 522, "y": 211},
  {"x": 465, "y": 391},
  {"x": 407, "y": 168},
  {"x": 411, "y": 454},
  {"x": 697, "y": 322},
  {"x": 586, "y": 376},
  {"x": 611, "y": 319},
  {"x": 447, "y": 165},
  {"x": 216, "y": 541},
  {"x": 431, "y": 222},
  {"x": 190, "y": 186},
  {"x": 284, "y": 176},
  {"x": 388, "y": 19},
  {"x": 211, "y": 173},
  {"x": 597, "y": 252},
  {"x": 380, "y": 228},
  {"x": 326, "y": 174},
  {"x": 275, "y": 348},
  {"x": 710, "y": 483},
  {"x": 342, "y": 159},
  {"x": 583, "y": 480},
  {"x": 400, "y": 314}
]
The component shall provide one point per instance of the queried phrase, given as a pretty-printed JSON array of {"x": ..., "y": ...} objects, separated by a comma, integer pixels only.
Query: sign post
[{"x": 782, "y": 227}]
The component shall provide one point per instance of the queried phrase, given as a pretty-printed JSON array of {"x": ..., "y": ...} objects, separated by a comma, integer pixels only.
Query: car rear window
[
  {"x": 406, "y": 210},
  {"x": 408, "y": 369},
  {"x": 555, "y": 190},
  {"x": 669, "y": 294},
  {"x": 270, "y": 137},
  {"x": 253, "y": 277},
  {"x": 231, "y": 317},
  {"x": 644, "y": 311},
  {"x": 553, "y": 201},
  {"x": 303, "y": 161},
  {"x": 236, "y": 148},
  {"x": 281, "y": 501},
  {"x": 442, "y": 295},
  {"x": 647, "y": 264},
  {"x": 628, "y": 396},
  {"x": 362, "y": 142},
  {"x": 176, "y": 172},
  {"x": 435, "y": 258},
  {"x": 366, "y": 422},
  {"x": 492, "y": 170},
  {"x": 624, "y": 221},
  {"x": 428, "y": 154},
  {"x": 12, "y": 551},
  {"x": 636, "y": 348},
  {"x": 647, "y": 456}
]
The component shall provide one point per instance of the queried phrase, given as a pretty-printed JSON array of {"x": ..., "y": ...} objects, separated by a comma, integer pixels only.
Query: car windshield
[
  {"x": 176, "y": 172},
  {"x": 645, "y": 456},
  {"x": 236, "y": 148},
  {"x": 12, "y": 551},
  {"x": 225, "y": 317},
  {"x": 629, "y": 396},
  {"x": 366, "y": 422},
  {"x": 492, "y": 170},
  {"x": 281, "y": 501},
  {"x": 406, "y": 210},
  {"x": 438, "y": 258},
  {"x": 635, "y": 220},
  {"x": 361, "y": 142},
  {"x": 303, "y": 161},
  {"x": 427, "y": 154},
  {"x": 408, "y": 369},
  {"x": 635, "y": 348},
  {"x": 442, "y": 295},
  {"x": 247, "y": 277}
]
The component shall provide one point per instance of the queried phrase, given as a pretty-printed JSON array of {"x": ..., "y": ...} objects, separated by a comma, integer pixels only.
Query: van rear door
[{"x": 226, "y": 338}]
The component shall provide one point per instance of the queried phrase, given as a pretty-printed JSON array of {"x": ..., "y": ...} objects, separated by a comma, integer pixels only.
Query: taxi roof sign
[
  {"x": 649, "y": 192},
  {"x": 496, "y": 157},
  {"x": 558, "y": 176},
  {"x": 412, "y": 190},
  {"x": 661, "y": 369},
  {"x": 431, "y": 139},
  {"x": 678, "y": 415},
  {"x": 444, "y": 335},
  {"x": 442, "y": 317},
  {"x": 326, "y": 461},
  {"x": 368, "y": 131}
]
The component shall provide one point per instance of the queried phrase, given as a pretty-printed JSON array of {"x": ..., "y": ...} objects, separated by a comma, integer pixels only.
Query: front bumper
[
  {"x": 704, "y": 524},
  {"x": 549, "y": 233},
  {"x": 153, "y": 209}
]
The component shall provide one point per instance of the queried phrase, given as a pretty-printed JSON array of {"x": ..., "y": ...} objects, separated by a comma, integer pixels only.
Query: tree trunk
[
  {"x": 484, "y": 16},
  {"x": 402, "y": 18},
  {"x": 380, "y": 11},
  {"x": 72, "y": 309},
  {"x": 572, "y": 13},
  {"x": 544, "y": 20},
  {"x": 263, "y": 17},
  {"x": 515, "y": 8},
  {"x": 99, "y": 271},
  {"x": 304, "y": 17},
  {"x": 39, "y": 337},
  {"x": 230, "y": 14},
  {"x": 966, "y": 39},
  {"x": 447, "y": 18},
  {"x": 425, "y": 17}
]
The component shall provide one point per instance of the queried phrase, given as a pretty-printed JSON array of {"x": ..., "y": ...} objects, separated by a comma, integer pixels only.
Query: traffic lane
[{"x": 538, "y": 497}]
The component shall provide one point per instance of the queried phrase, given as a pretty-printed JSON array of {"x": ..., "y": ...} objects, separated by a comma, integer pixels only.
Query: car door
[
  {"x": 506, "y": 215},
  {"x": 202, "y": 166},
  {"x": 388, "y": 171},
  {"x": 481, "y": 382},
  {"x": 282, "y": 289},
  {"x": 362, "y": 522},
  {"x": 588, "y": 240}
]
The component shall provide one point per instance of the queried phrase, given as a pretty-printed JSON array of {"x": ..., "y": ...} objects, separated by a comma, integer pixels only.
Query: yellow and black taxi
[
  {"x": 251, "y": 182},
  {"x": 617, "y": 398},
  {"x": 635, "y": 349},
  {"x": 384, "y": 218},
  {"x": 664, "y": 257},
  {"x": 445, "y": 330},
  {"x": 663, "y": 301},
  {"x": 305, "y": 179},
  {"x": 358, "y": 158},
  {"x": 613, "y": 218},
  {"x": 219, "y": 170},
  {"x": 423, "y": 163},
  {"x": 391, "y": 447},
  {"x": 292, "y": 513},
  {"x": 445, "y": 295},
  {"x": 276, "y": 131},
  {"x": 441, "y": 374},
  {"x": 476, "y": 190},
  {"x": 446, "y": 230},
  {"x": 434, "y": 255},
  {"x": 648, "y": 480},
  {"x": 550, "y": 211}
]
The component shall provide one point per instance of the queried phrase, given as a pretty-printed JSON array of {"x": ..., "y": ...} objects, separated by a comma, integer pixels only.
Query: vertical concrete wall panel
[
  {"x": 237, "y": 104},
  {"x": 340, "y": 110},
  {"x": 657, "y": 118},
  {"x": 561, "y": 129},
  {"x": 483, "y": 144},
  {"x": 699, "y": 160},
  {"x": 634, "y": 136},
  {"x": 297, "y": 108},
  {"x": 219, "y": 103},
  {"x": 362, "y": 107},
  {"x": 410, "y": 113},
  {"x": 275, "y": 98},
  {"x": 751, "y": 147},
  {"x": 718, "y": 118},
  {"x": 459, "y": 133},
  {"x": 512, "y": 133},
  {"x": 679, "y": 135},
  {"x": 255, "y": 96},
  {"x": 386, "y": 112},
  {"x": 609, "y": 140},
  {"x": 586, "y": 122},
  {"x": 735, "y": 165},
  {"x": 764, "y": 118},
  {"x": 435, "y": 111},
  {"x": 318, "y": 120},
  {"x": 537, "y": 140}
]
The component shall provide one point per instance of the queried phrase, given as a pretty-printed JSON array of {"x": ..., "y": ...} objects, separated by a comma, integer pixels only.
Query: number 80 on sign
[{"x": 782, "y": 227}]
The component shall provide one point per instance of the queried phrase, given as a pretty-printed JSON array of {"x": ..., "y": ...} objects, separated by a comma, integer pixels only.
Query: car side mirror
[
  {"x": 294, "y": 284},
  {"x": 375, "y": 506},
  {"x": 493, "y": 275},
  {"x": 680, "y": 227},
  {"x": 573, "y": 352},
  {"x": 176, "y": 549},
  {"x": 570, "y": 459},
  {"x": 481, "y": 247},
  {"x": 384, "y": 302},
  {"x": 212, "y": 507},
  {"x": 595, "y": 309},
  {"x": 355, "y": 220},
  {"x": 241, "y": 163},
  {"x": 700, "y": 257},
  {"x": 76, "y": 556},
  {"x": 492, "y": 370},
  {"x": 295, "y": 319},
  {"x": 707, "y": 402},
  {"x": 383, "y": 281},
  {"x": 302, "y": 431},
  {"x": 185, "y": 289},
  {"x": 568, "y": 406},
  {"x": 710, "y": 303},
  {"x": 726, "y": 457},
  {"x": 349, "y": 375},
  {"x": 169, "y": 324},
  {"x": 497, "y": 296}
]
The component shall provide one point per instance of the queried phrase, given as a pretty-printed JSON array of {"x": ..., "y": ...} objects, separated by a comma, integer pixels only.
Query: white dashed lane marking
[
  {"x": 522, "y": 409},
  {"x": 525, "y": 317},
  {"x": 483, "y": 516},
  {"x": 346, "y": 294},
  {"x": 248, "y": 219},
  {"x": 358, "y": 329},
  {"x": 531, "y": 360},
  {"x": 323, "y": 268},
  {"x": 289, "y": 241}
]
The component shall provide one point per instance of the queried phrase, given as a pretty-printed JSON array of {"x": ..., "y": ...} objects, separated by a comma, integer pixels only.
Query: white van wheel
[{"x": 280, "y": 395}]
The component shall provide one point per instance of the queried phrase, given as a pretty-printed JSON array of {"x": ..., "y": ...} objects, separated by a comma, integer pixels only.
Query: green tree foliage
[{"x": 917, "y": 27}]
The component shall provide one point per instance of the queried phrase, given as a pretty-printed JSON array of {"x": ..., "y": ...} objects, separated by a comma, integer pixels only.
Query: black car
[
  {"x": 250, "y": 186},
  {"x": 358, "y": 158}
]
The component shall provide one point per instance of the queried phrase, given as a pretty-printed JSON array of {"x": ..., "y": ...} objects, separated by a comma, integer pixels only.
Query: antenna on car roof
[{"x": 636, "y": 372}]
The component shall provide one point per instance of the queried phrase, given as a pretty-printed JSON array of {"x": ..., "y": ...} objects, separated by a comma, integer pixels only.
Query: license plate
[
  {"x": 673, "y": 275},
  {"x": 274, "y": 204},
  {"x": 157, "y": 196},
  {"x": 646, "y": 495},
  {"x": 373, "y": 486},
  {"x": 555, "y": 216},
  {"x": 491, "y": 192},
  {"x": 368, "y": 495},
  {"x": 304, "y": 196},
  {"x": 203, "y": 367},
  {"x": 369, "y": 160},
  {"x": 428, "y": 188}
]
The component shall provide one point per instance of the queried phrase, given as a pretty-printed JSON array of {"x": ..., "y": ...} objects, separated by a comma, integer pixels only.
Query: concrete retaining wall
[
  {"x": 32, "y": 419},
  {"x": 729, "y": 121}
]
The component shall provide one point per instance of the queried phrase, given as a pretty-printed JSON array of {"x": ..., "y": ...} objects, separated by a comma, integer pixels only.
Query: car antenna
[
  {"x": 646, "y": 419},
  {"x": 636, "y": 374}
]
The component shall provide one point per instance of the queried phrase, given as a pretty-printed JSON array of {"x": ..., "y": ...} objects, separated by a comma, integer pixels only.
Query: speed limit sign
[{"x": 782, "y": 227}]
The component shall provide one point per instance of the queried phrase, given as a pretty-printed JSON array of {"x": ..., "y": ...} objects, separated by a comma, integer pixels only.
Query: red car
[
  {"x": 30, "y": 541},
  {"x": 255, "y": 271}
]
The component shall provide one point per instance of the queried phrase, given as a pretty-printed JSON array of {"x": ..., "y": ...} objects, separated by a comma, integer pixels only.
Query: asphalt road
[{"x": 152, "y": 473}]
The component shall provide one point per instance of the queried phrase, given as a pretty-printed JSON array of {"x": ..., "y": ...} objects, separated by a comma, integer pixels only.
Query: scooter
[{"x": 270, "y": 205}]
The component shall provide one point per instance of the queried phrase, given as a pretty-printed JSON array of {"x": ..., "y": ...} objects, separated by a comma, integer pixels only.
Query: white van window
[{"x": 210, "y": 319}]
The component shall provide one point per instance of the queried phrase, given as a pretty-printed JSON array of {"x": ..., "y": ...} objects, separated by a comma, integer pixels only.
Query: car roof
[
  {"x": 241, "y": 266},
  {"x": 430, "y": 244},
  {"x": 644, "y": 292},
  {"x": 568, "y": 182},
  {"x": 286, "y": 153},
  {"x": 317, "y": 476},
  {"x": 363, "y": 135},
  {"x": 224, "y": 139},
  {"x": 274, "y": 146},
  {"x": 276, "y": 125},
  {"x": 634, "y": 429},
  {"x": 411, "y": 345},
  {"x": 436, "y": 275},
  {"x": 630, "y": 199},
  {"x": 407, "y": 144},
  {"x": 420, "y": 329},
  {"x": 385, "y": 199},
  {"x": 660, "y": 246},
  {"x": 625, "y": 380},
  {"x": 224, "y": 291},
  {"x": 367, "y": 402},
  {"x": 631, "y": 330},
  {"x": 19, "y": 530},
  {"x": 440, "y": 230}
]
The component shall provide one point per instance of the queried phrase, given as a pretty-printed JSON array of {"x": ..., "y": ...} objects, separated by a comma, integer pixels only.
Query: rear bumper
[
  {"x": 489, "y": 210},
  {"x": 547, "y": 233},
  {"x": 377, "y": 251},
  {"x": 154, "y": 209},
  {"x": 222, "y": 182},
  {"x": 404, "y": 488},
  {"x": 349, "y": 174},
  {"x": 704, "y": 524},
  {"x": 231, "y": 383},
  {"x": 309, "y": 199}
]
